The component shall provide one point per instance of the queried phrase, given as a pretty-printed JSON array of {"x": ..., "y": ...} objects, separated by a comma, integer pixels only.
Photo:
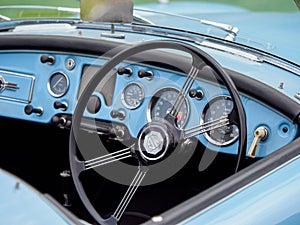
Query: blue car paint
[
  {"x": 22, "y": 204},
  {"x": 264, "y": 201},
  {"x": 273, "y": 199}
]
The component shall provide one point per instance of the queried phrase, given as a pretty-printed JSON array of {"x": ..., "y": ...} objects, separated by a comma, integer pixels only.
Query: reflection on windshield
[{"x": 69, "y": 8}]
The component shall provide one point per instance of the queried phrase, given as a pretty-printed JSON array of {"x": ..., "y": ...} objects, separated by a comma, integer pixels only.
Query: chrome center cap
[{"x": 153, "y": 142}]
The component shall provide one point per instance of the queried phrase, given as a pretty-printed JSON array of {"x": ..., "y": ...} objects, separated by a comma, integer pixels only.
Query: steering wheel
[{"x": 158, "y": 141}]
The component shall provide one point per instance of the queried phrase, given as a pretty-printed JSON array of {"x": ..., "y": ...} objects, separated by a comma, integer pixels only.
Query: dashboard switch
[
  {"x": 47, "y": 59},
  {"x": 260, "y": 134},
  {"x": 29, "y": 109},
  {"x": 94, "y": 104},
  {"x": 62, "y": 121},
  {"x": 122, "y": 70},
  {"x": 70, "y": 64},
  {"x": 198, "y": 94},
  {"x": 118, "y": 114},
  {"x": 58, "y": 120},
  {"x": 60, "y": 105},
  {"x": 143, "y": 73}
]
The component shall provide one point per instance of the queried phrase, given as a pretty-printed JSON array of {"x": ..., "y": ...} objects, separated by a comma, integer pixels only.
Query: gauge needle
[
  {"x": 179, "y": 116},
  {"x": 57, "y": 82}
]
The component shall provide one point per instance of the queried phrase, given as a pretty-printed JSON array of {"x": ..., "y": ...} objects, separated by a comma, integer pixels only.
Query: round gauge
[
  {"x": 162, "y": 102},
  {"x": 58, "y": 84},
  {"x": 132, "y": 96},
  {"x": 215, "y": 109}
]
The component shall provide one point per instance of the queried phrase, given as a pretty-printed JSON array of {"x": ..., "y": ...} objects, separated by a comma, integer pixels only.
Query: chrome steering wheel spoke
[
  {"x": 184, "y": 91},
  {"x": 206, "y": 127},
  {"x": 108, "y": 158},
  {"x": 136, "y": 182}
]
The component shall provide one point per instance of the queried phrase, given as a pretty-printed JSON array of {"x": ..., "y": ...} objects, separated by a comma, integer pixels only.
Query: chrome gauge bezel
[
  {"x": 206, "y": 135},
  {"x": 158, "y": 94},
  {"x": 51, "y": 88},
  {"x": 123, "y": 96}
]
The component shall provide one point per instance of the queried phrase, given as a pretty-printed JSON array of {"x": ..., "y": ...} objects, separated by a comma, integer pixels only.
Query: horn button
[
  {"x": 153, "y": 143},
  {"x": 156, "y": 141}
]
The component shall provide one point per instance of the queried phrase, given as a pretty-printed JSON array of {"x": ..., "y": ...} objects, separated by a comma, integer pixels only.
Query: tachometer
[
  {"x": 162, "y": 103},
  {"x": 219, "y": 107}
]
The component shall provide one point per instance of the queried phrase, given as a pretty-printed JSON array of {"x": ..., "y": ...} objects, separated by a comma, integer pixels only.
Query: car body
[{"x": 160, "y": 113}]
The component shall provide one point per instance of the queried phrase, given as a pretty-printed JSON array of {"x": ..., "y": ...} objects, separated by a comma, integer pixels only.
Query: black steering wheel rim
[{"x": 199, "y": 56}]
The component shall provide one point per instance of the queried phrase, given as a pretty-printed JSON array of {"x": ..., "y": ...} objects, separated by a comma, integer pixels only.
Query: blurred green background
[{"x": 253, "y": 5}]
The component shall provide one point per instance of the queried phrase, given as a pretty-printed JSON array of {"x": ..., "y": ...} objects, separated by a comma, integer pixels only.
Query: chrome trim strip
[
  {"x": 6, "y": 85},
  {"x": 229, "y": 49},
  {"x": 280, "y": 64},
  {"x": 30, "y": 91}
]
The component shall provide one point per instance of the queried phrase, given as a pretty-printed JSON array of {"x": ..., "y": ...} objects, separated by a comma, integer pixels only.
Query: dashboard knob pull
[
  {"x": 58, "y": 120},
  {"x": 29, "y": 109},
  {"x": 119, "y": 133},
  {"x": 94, "y": 104},
  {"x": 118, "y": 114},
  {"x": 60, "y": 105},
  {"x": 143, "y": 73},
  {"x": 198, "y": 94},
  {"x": 122, "y": 70},
  {"x": 47, "y": 59}
]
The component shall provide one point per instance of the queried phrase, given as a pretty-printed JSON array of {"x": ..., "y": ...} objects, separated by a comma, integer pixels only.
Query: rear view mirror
[{"x": 110, "y": 11}]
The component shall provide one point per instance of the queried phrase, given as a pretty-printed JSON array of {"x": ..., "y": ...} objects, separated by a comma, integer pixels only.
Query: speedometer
[
  {"x": 217, "y": 108},
  {"x": 162, "y": 103}
]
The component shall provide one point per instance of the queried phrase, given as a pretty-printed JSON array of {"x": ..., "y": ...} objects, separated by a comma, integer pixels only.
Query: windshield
[
  {"x": 256, "y": 23},
  {"x": 30, "y": 12}
]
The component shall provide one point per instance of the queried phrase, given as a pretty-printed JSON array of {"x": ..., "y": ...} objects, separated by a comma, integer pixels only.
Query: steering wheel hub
[{"x": 156, "y": 140}]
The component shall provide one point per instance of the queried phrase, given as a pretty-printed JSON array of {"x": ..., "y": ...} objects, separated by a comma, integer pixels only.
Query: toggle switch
[
  {"x": 60, "y": 105},
  {"x": 198, "y": 94},
  {"x": 47, "y": 59},
  {"x": 118, "y": 114},
  {"x": 29, "y": 109},
  {"x": 260, "y": 134},
  {"x": 123, "y": 70},
  {"x": 143, "y": 73}
]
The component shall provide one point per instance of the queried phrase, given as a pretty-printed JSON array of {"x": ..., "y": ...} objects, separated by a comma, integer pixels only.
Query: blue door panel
[{"x": 274, "y": 199}]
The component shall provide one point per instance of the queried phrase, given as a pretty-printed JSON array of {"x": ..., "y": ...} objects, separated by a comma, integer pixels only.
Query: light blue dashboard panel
[{"x": 26, "y": 69}]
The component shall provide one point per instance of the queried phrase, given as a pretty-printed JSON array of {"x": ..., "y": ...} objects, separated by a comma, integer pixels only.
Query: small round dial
[
  {"x": 132, "y": 96},
  {"x": 162, "y": 103},
  {"x": 58, "y": 84},
  {"x": 222, "y": 135}
]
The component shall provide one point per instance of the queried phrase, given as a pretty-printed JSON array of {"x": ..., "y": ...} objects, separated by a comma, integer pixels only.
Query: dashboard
[{"x": 44, "y": 87}]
